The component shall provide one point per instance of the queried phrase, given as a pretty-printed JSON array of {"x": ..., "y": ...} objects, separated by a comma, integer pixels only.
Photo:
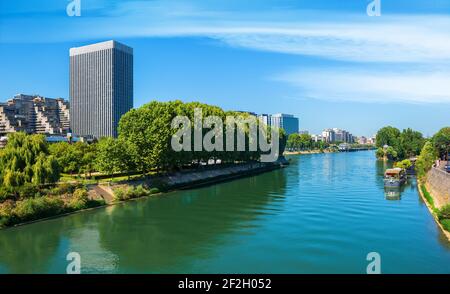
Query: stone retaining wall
[{"x": 438, "y": 184}]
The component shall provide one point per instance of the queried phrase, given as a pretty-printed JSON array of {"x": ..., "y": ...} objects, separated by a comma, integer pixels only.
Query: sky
[{"x": 326, "y": 61}]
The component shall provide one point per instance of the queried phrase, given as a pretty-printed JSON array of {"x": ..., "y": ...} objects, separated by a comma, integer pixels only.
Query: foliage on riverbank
[
  {"x": 45, "y": 203},
  {"x": 126, "y": 193},
  {"x": 427, "y": 196},
  {"x": 304, "y": 142},
  {"x": 400, "y": 145},
  {"x": 425, "y": 160},
  {"x": 26, "y": 162},
  {"x": 442, "y": 214}
]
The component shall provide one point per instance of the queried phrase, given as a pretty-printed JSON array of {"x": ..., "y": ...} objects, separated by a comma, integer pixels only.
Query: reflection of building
[
  {"x": 101, "y": 87},
  {"x": 288, "y": 122},
  {"x": 34, "y": 114}
]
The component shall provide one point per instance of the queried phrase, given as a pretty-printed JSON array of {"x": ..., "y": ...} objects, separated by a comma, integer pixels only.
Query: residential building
[
  {"x": 34, "y": 114},
  {"x": 101, "y": 88},
  {"x": 362, "y": 140},
  {"x": 317, "y": 138},
  {"x": 337, "y": 135}
]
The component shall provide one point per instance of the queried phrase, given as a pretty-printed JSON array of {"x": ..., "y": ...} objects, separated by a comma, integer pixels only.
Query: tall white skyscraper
[{"x": 101, "y": 87}]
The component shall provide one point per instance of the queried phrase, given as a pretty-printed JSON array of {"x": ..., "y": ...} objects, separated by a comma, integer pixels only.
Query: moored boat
[{"x": 394, "y": 177}]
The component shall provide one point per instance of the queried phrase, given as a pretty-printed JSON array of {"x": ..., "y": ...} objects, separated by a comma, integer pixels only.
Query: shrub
[
  {"x": 444, "y": 212},
  {"x": 446, "y": 224},
  {"x": 79, "y": 200},
  {"x": 153, "y": 191},
  {"x": 140, "y": 191},
  {"x": 6, "y": 213},
  {"x": 35, "y": 208},
  {"x": 64, "y": 188},
  {"x": 121, "y": 194},
  {"x": 4, "y": 194},
  {"x": 28, "y": 190},
  {"x": 427, "y": 195}
]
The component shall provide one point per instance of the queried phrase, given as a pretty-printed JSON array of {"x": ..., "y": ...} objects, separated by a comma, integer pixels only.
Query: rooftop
[{"x": 100, "y": 46}]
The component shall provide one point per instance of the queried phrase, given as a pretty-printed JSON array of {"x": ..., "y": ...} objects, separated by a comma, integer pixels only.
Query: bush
[
  {"x": 64, "y": 188},
  {"x": 4, "y": 194},
  {"x": 153, "y": 191},
  {"x": 35, "y": 208},
  {"x": 427, "y": 195},
  {"x": 444, "y": 212},
  {"x": 446, "y": 224},
  {"x": 140, "y": 191},
  {"x": 28, "y": 190},
  {"x": 79, "y": 200},
  {"x": 121, "y": 194}
]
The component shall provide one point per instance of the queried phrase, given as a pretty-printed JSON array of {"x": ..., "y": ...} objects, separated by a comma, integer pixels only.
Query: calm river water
[{"x": 322, "y": 214}]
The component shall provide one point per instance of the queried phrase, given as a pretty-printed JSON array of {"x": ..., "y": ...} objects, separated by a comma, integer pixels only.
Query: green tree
[
  {"x": 388, "y": 136},
  {"x": 441, "y": 141},
  {"x": 112, "y": 156},
  {"x": 410, "y": 144},
  {"x": 405, "y": 164},
  {"x": 426, "y": 159},
  {"x": 26, "y": 159}
]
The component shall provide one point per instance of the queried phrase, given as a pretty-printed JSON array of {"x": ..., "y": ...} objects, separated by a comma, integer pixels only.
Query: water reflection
[{"x": 147, "y": 235}]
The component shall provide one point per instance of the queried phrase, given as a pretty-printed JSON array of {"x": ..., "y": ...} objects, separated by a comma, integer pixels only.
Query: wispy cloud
[
  {"x": 397, "y": 40},
  {"x": 338, "y": 36},
  {"x": 367, "y": 86}
]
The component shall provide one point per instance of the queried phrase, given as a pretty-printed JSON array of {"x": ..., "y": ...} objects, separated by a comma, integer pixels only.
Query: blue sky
[{"x": 325, "y": 61}]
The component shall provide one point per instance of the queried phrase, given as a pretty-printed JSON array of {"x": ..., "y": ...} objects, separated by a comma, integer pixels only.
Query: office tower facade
[
  {"x": 101, "y": 88},
  {"x": 288, "y": 122},
  {"x": 34, "y": 114}
]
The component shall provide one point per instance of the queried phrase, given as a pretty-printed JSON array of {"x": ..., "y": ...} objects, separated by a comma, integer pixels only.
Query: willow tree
[{"x": 26, "y": 160}]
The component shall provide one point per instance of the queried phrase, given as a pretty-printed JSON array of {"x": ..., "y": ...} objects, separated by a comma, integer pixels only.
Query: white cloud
[
  {"x": 405, "y": 41},
  {"x": 371, "y": 86}
]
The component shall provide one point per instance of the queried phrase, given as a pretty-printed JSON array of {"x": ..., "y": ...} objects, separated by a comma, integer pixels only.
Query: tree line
[
  {"x": 143, "y": 145},
  {"x": 400, "y": 146},
  {"x": 302, "y": 142}
]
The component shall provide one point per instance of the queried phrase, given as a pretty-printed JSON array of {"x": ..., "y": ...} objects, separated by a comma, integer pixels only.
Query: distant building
[
  {"x": 303, "y": 132},
  {"x": 265, "y": 119},
  {"x": 362, "y": 140},
  {"x": 317, "y": 138},
  {"x": 101, "y": 88},
  {"x": 288, "y": 122},
  {"x": 34, "y": 114},
  {"x": 337, "y": 135},
  {"x": 329, "y": 136}
]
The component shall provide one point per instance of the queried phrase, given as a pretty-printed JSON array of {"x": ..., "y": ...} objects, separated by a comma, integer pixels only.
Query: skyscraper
[
  {"x": 288, "y": 122},
  {"x": 101, "y": 88}
]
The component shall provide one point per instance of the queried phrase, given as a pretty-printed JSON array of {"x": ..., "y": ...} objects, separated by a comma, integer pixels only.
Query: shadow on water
[{"x": 147, "y": 235}]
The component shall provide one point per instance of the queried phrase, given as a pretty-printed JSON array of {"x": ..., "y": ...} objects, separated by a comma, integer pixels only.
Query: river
[{"x": 322, "y": 214}]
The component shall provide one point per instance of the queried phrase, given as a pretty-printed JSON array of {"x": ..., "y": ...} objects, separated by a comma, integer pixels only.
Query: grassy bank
[
  {"x": 36, "y": 203},
  {"x": 442, "y": 215}
]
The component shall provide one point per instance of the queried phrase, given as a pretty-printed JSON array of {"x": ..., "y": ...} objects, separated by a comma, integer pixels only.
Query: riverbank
[
  {"x": 428, "y": 199},
  {"x": 307, "y": 152},
  {"x": 119, "y": 192}
]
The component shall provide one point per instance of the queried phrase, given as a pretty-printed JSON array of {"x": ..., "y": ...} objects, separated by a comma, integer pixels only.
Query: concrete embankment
[{"x": 190, "y": 179}]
